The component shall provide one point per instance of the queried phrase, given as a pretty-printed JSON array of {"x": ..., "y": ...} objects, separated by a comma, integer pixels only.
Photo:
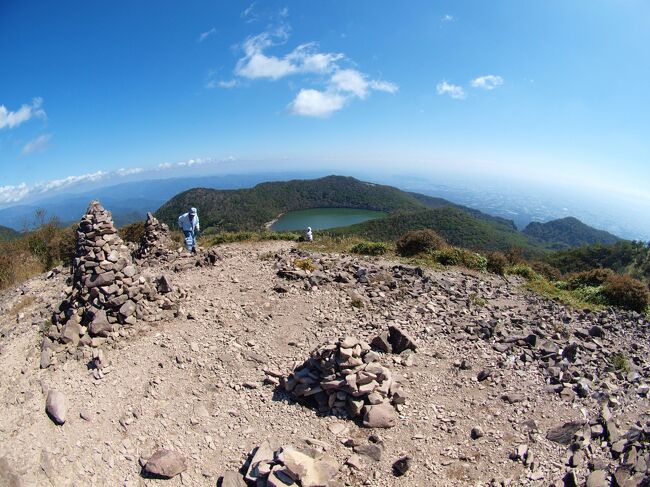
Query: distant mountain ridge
[
  {"x": 249, "y": 209},
  {"x": 7, "y": 233},
  {"x": 568, "y": 232}
]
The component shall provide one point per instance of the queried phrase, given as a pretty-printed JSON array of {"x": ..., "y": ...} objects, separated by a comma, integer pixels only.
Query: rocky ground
[{"x": 495, "y": 374}]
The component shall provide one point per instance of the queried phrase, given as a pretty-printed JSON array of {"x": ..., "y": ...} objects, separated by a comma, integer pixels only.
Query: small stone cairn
[
  {"x": 156, "y": 241},
  {"x": 106, "y": 285},
  {"x": 343, "y": 378}
]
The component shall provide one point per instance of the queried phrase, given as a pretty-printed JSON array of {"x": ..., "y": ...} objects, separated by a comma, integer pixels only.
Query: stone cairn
[
  {"x": 106, "y": 285},
  {"x": 156, "y": 241},
  {"x": 343, "y": 378}
]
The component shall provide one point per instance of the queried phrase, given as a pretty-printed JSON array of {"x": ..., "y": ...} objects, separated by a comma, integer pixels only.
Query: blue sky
[{"x": 551, "y": 91}]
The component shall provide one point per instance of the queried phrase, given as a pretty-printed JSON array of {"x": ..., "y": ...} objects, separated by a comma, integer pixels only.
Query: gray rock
[
  {"x": 564, "y": 434},
  {"x": 100, "y": 325},
  {"x": 166, "y": 464},
  {"x": 164, "y": 285},
  {"x": 127, "y": 309},
  {"x": 402, "y": 465},
  {"x": 597, "y": 478},
  {"x": 263, "y": 454},
  {"x": 380, "y": 416},
  {"x": 55, "y": 406},
  {"x": 372, "y": 451},
  {"x": 232, "y": 479},
  {"x": 400, "y": 340}
]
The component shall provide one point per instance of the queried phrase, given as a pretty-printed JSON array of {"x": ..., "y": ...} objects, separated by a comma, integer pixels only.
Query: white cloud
[
  {"x": 231, "y": 83},
  {"x": 314, "y": 103},
  {"x": 36, "y": 145},
  {"x": 129, "y": 171},
  {"x": 340, "y": 84},
  {"x": 11, "y": 119},
  {"x": 303, "y": 59},
  {"x": 447, "y": 18},
  {"x": 487, "y": 82},
  {"x": 204, "y": 35},
  {"x": 455, "y": 91}
]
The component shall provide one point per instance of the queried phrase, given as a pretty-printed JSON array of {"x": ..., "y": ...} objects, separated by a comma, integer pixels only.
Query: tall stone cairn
[
  {"x": 156, "y": 241},
  {"x": 106, "y": 285}
]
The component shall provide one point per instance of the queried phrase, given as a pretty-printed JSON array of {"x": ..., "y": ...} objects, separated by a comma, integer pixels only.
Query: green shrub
[
  {"x": 626, "y": 292},
  {"x": 133, "y": 232},
  {"x": 515, "y": 255},
  {"x": 497, "y": 263},
  {"x": 356, "y": 303},
  {"x": 591, "y": 294},
  {"x": 369, "y": 248},
  {"x": 306, "y": 264},
  {"x": 593, "y": 277},
  {"x": 547, "y": 270},
  {"x": 419, "y": 241},
  {"x": 620, "y": 362},
  {"x": 524, "y": 271},
  {"x": 462, "y": 257}
]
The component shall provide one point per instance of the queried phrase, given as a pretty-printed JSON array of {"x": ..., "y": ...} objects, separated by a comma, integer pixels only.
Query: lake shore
[{"x": 269, "y": 224}]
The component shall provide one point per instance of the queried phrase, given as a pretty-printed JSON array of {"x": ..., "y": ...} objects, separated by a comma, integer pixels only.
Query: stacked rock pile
[
  {"x": 343, "y": 378},
  {"x": 106, "y": 285},
  {"x": 286, "y": 466},
  {"x": 156, "y": 241}
]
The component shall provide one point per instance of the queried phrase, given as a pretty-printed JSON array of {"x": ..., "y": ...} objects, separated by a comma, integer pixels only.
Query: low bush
[
  {"x": 515, "y": 255},
  {"x": 547, "y": 270},
  {"x": 593, "y": 277},
  {"x": 306, "y": 264},
  {"x": 626, "y": 292},
  {"x": 523, "y": 270},
  {"x": 133, "y": 232},
  {"x": 461, "y": 257},
  {"x": 369, "y": 248},
  {"x": 591, "y": 294},
  {"x": 497, "y": 263},
  {"x": 419, "y": 241}
]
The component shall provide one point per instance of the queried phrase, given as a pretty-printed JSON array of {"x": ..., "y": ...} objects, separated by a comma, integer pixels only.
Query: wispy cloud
[
  {"x": 448, "y": 18},
  {"x": 15, "y": 193},
  {"x": 129, "y": 171},
  {"x": 37, "y": 145},
  {"x": 9, "y": 119},
  {"x": 204, "y": 35},
  {"x": 487, "y": 82},
  {"x": 338, "y": 84},
  {"x": 18, "y": 192},
  {"x": 249, "y": 13},
  {"x": 455, "y": 91}
]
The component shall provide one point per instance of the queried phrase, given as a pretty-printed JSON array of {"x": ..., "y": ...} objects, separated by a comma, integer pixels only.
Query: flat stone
[
  {"x": 371, "y": 451},
  {"x": 310, "y": 472},
  {"x": 103, "y": 279},
  {"x": 263, "y": 454},
  {"x": 166, "y": 464},
  {"x": 55, "y": 406},
  {"x": 380, "y": 416},
  {"x": 513, "y": 398},
  {"x": 564, "y": 434},
  {"x": 232, "y": 479},
  {"x": 381, "y": 343},
  {"x": 597, "y": 478}
]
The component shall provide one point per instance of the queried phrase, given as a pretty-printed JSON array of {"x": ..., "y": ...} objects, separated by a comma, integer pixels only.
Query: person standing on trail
[
  {"x": 308, "y": 235},
  {"x": 189, "y": 224}
]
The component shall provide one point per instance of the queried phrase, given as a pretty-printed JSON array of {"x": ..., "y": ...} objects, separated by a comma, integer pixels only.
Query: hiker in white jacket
[{"x": 189, "y": 224}]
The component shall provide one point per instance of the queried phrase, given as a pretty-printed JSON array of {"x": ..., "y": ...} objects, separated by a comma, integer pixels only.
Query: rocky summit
[{"x": 270, "y": 364}]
